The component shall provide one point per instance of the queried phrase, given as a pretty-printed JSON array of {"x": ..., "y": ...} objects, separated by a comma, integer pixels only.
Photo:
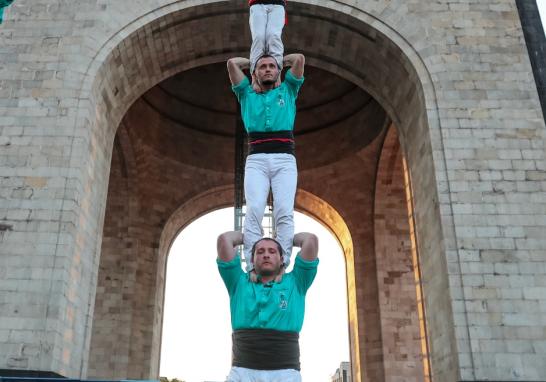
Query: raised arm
[
  {"x": 308, "y": 243},
  {"x": 235, "y": 67},
  {"x": 226, "y": 244},
  {"x": 296, "y": 62}
]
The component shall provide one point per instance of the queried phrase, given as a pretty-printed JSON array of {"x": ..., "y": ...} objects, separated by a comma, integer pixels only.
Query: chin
[
  {"x": 268, "y": 82},
  {"x": 269, "y": 272}
]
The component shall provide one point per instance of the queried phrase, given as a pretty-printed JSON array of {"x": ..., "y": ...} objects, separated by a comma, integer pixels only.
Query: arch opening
[
  {"x": 194, "y": 336},
  {"x": 123, "y": 93}
]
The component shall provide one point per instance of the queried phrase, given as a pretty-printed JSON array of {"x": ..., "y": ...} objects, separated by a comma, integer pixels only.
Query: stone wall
[
  {"x": 455, "y": 79},
  {"x": 400, "y": 330}
]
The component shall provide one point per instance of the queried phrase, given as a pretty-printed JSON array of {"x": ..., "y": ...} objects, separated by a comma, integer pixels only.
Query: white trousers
[
  {"x": 241, "y": 374},
  {"x": 266, "y": 24},
  {"x": 280, "y": 173}
]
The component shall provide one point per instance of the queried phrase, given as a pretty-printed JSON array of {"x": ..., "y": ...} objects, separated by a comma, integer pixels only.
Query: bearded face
[
  {"x": 267, "y": 71},
  {"x": 267, "y": 258}
]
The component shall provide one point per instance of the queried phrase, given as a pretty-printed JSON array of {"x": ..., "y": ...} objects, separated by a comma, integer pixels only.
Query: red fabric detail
[{"x": 286, "y": 140}]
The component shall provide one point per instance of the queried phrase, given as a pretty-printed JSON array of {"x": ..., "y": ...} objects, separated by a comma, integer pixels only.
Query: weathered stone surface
[{"x": 88, "y": 210}]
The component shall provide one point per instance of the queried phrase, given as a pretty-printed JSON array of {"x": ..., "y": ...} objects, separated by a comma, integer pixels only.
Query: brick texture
[{"x": 89, "y": 205}]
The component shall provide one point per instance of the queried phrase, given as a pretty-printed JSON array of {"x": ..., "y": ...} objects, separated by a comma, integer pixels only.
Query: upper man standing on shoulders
[{"x": 268, "y": 109}]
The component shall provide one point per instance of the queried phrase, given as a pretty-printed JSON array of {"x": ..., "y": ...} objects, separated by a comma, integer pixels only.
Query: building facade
[{"x": 343, "y": 373}]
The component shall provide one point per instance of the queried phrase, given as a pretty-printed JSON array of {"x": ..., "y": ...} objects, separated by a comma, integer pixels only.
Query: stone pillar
[
  {"x": 52, "y": 187},
  {"x": 536, "y": 44},
  {"x": 396, "y": 273}
]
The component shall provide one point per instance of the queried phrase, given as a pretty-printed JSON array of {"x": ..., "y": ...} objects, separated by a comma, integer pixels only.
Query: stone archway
[
  {"x": 387, "y": 69},
  {"x": 223, "y": 197},
  {"x": 454, "y": 80}
]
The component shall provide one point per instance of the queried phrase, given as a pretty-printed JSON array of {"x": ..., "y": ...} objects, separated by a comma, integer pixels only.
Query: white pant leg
[
  {"x": 284, "y": 181},
  {"x": 273, "y": 32},
  {"x": 242, "y": 374},
  {"x": 258, "y": 24},
  {"x": 257, "y": 184}
]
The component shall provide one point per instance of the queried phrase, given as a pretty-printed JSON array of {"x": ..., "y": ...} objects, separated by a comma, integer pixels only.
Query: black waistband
[
  {"x": 265, "y": 349},
  {"x": 277, "y": 142},
  {"x": 278, "y": 2}
]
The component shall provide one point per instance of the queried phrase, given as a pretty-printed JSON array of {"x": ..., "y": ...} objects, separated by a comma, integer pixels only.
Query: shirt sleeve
[
  {"x": 304, "y": 273},
  {"x": 231, "y": 272},
  {"x": 241, "y": 88},
  {"x": 292, "y": 83}
]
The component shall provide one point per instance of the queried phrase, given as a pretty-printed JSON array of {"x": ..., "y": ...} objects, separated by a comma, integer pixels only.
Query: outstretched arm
[
  {"x": 309, "y": 245},
  {"x": 235, "y": 67},
  {"x": 226, "y": 244},
  {"x": 296, "y": 62}
]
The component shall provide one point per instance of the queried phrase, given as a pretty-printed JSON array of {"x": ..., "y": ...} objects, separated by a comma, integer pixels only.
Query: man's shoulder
[
  {"x": 244, "y": 85},
  {"x": 230, "y": 265},
  {"x": 291, "y": 83},
  {"x": 301, "y": 267},
  {"x": 291, "y": 78},
  {"x": 300, "y": 262}
]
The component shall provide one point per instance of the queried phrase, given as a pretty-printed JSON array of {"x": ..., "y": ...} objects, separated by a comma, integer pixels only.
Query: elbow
[
  {"x": 229, "y": 239},
  {"x": 233, "y": 63},
  {"x": 309, "y": 240},
  {"x": 300, "y": 59},
  {"x": 313, "y": 240},
  {"x": 223, "y": 240},
  {"x": 230, "y": 63}
]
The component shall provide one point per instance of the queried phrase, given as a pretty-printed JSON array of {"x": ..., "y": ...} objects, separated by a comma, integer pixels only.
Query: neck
[
  {"x": 268, "y": 87},
  {"x": 266, "y": 279}
]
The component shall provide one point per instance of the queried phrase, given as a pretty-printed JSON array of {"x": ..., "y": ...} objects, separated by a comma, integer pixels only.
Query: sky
[{"x": 196, "y": 343}]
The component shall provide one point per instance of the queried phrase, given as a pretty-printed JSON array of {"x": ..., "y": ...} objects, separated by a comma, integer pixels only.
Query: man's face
[
  {"x": 267, "y": 259},
  {"x": 267, "y": 70}
]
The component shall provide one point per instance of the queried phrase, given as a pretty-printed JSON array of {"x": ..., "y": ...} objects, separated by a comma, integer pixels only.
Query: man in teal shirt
[
  {"x": 266, "y": 316},
  {"x": 268, "y": 109}
]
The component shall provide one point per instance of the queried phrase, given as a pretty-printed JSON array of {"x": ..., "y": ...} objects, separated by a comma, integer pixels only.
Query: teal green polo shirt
[
  {"x": 4, "y": 4},
  {"x": 277, "y": 306},
  {"x": 274, "y": 110}
]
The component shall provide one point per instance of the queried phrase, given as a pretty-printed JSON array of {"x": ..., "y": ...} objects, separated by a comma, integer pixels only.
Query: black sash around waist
[
  {"x": 265, "y": 349},
  {"x": 276, "y": 142},
  {"x": 278, "y": 2}
]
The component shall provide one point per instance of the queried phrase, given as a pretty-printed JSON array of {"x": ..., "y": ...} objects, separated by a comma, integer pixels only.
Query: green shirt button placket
[
  {"x": 267, "y": 114},
  {"x": 262, "y": 304}
]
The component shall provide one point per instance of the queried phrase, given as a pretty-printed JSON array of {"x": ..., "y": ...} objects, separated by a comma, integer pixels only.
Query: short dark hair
[
  {"x": 279, "y": 247},
  {"x": 265, "y": 56}
]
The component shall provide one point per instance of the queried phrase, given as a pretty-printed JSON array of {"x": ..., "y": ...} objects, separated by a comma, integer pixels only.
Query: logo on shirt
[
  {"x": 280, "y": 101},
  {"x": 283, "y": 304}
]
